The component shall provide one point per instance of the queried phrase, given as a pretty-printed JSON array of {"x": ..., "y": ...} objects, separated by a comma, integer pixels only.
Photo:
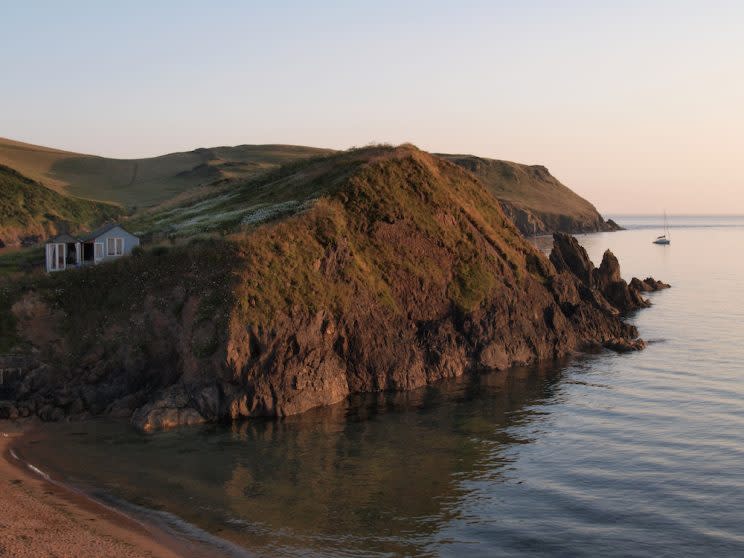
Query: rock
[
  {"x": 625, "y": 345},
  {"x": 8, "y": 410},
  {"x": 494, "y": 357},
  {"x": 649, "y": 284},
  {"x": 163, "y": 418},
  {"x": 569, "y": 255},
  {"x": 609, "y": 271},
  {"x": 50, "y": 413},
  {"x": 207, "y": 401},
  {"x": 173, "y": 408}
]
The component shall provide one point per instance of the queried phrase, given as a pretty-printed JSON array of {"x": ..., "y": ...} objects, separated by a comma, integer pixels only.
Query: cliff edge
[
  {"x": 534, "y": 199},
  {"x": 398, "y": 268}
]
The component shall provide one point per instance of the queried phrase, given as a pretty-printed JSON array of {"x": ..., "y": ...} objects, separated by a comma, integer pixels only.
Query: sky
[{"x": 637, "y": 106}]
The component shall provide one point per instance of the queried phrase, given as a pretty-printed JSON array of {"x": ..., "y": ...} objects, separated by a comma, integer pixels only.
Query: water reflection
[{"x": 381, "y": 473}]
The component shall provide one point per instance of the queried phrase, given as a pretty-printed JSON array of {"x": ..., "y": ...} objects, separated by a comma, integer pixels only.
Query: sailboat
[{"x": 666, "y": 237}]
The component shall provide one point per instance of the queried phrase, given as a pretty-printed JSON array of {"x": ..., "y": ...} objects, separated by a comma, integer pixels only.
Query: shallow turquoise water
[{"x": 605, "y": 455}]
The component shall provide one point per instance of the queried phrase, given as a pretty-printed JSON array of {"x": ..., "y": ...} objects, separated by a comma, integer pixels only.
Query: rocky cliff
[
  {"x": 534, "y": 199},
  {"x": 400, "y": 269}
]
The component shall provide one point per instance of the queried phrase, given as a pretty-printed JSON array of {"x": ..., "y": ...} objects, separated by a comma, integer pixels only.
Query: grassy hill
[
  {"x": 144, "y": 182},
  {"x": 392, "y": 269},
  {"x": 30, "y": 211},
  {"x": 533, "y": 198}
]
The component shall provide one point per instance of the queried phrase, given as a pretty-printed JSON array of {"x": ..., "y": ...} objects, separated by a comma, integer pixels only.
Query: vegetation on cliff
[
  {"x": 147, "y": 181},
  {"x": 533, "y": 198},
  {"x": 29, "y": 211},
  {"x": 393, "y": 268}
]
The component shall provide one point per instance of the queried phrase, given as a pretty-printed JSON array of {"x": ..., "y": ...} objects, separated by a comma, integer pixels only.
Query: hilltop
[
  {"x": 30, "y": 212},
  {"x": 533, "y": 198},
  {"x": 394, "y": 269},
  {"x": 149, "y": 181}
]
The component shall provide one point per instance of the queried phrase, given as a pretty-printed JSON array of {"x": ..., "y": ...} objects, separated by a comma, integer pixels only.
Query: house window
[
  {"x": 114, "y": 246},
  {"x": 57, "y": 256},
  {"x": 98, "y": 251}
]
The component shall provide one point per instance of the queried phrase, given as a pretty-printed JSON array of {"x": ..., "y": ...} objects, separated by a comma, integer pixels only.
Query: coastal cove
[{"x": 606, "y": 454}]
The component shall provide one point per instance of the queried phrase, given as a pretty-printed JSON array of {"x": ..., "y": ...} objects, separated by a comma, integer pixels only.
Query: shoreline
[{"x": 41, "y": 517}]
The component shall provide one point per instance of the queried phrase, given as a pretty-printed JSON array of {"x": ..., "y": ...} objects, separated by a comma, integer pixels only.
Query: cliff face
[
  {"x": 534, "y": 199},
  {"x": 405, "y": 271}
]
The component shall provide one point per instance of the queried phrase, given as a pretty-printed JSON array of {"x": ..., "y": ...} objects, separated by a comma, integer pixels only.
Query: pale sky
[{"x": 638, "y": 106}]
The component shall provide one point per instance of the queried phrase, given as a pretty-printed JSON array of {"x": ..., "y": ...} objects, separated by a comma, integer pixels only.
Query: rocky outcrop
[
  {"x": 604, "y": 282},
  {"x": 647, "y": 285},
  {"x": 531, "y": 221},
  {"x": 406, "y": 273}
]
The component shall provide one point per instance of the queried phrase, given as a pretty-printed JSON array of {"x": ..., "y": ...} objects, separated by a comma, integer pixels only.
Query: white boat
[{"x": 666, "y": 237}]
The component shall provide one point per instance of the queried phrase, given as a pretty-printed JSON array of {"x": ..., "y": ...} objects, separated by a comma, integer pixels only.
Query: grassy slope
[
  {"x": 29, "y": 209},
  {"x": 173, "y": 179},
  {"x": 527, "y": 187},
  {"x": 319, "y": 204},
  {"x": 436, "y": 214},
  {"x": 440, "y": 211},
  {"x": 148, "y": 181}
]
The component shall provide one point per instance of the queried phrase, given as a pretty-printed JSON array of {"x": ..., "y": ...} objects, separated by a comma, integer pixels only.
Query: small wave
[
  {"x": 38, "y": 471},
  {"x": 30, "y": 466},
  {"x": 173, "y": 524}
]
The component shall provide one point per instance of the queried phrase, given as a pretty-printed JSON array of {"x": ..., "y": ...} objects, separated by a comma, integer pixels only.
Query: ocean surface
[{"x": 607, "y": 455}]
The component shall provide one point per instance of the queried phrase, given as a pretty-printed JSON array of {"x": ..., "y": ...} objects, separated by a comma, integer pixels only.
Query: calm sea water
[{"x": 606, "y": 455}]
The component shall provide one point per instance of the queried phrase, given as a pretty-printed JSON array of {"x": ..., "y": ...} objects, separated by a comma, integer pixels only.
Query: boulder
[
  {"x": 648, "y": 285},
  {"x": 173, "y": 408},
  {"x": 150, "y": 419},
  {"x": 621, "y": 345},
  {"x": 8, "y": 410}
]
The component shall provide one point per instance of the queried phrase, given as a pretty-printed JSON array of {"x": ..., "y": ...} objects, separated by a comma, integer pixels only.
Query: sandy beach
[{"x": 39, "y": 518}]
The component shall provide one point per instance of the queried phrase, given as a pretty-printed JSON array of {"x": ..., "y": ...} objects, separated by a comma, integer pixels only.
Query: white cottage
[{"x": 105, "y": 244}]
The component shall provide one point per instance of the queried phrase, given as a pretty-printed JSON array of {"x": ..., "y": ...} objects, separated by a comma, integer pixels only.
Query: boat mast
[{"x": 666, "y": 226}]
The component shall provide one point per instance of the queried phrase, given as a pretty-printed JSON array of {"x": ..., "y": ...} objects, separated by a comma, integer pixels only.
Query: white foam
[{"x": 38, "y": 471}]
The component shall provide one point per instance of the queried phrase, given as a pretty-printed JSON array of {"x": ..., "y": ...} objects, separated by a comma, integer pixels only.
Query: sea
[{"x": 601, "y": 455}]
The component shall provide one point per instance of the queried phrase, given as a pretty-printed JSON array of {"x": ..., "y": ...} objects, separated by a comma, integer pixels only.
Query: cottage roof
[
  {"x": 102, "y": 230},
  {"x": 62, "y": 238}
]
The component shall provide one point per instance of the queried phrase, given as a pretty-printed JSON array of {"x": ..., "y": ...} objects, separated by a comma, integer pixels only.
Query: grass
[
  {"x": 366, "y": 230},
  {"x": 8, "y": 335},
  {"x": 29, "y": 209},
  {"x": 290, "y": 189},
  {"x": 15, "y": 261},
  {"x": 101, "y": 302},
  {"x": 398, "y": 187},
  {"x": 526, "y": 186},
  {"x": 145, "y": 182}
]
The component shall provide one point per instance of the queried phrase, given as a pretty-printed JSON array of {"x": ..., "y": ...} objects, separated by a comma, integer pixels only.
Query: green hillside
[
  {"x": 30, "y": 211},
  {"x": 534, "y": 199},
  {"x": 148, "y": 181}
]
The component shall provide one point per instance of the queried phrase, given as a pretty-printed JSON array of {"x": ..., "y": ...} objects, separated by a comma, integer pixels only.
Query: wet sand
[{"x": 40, "y": 518}]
